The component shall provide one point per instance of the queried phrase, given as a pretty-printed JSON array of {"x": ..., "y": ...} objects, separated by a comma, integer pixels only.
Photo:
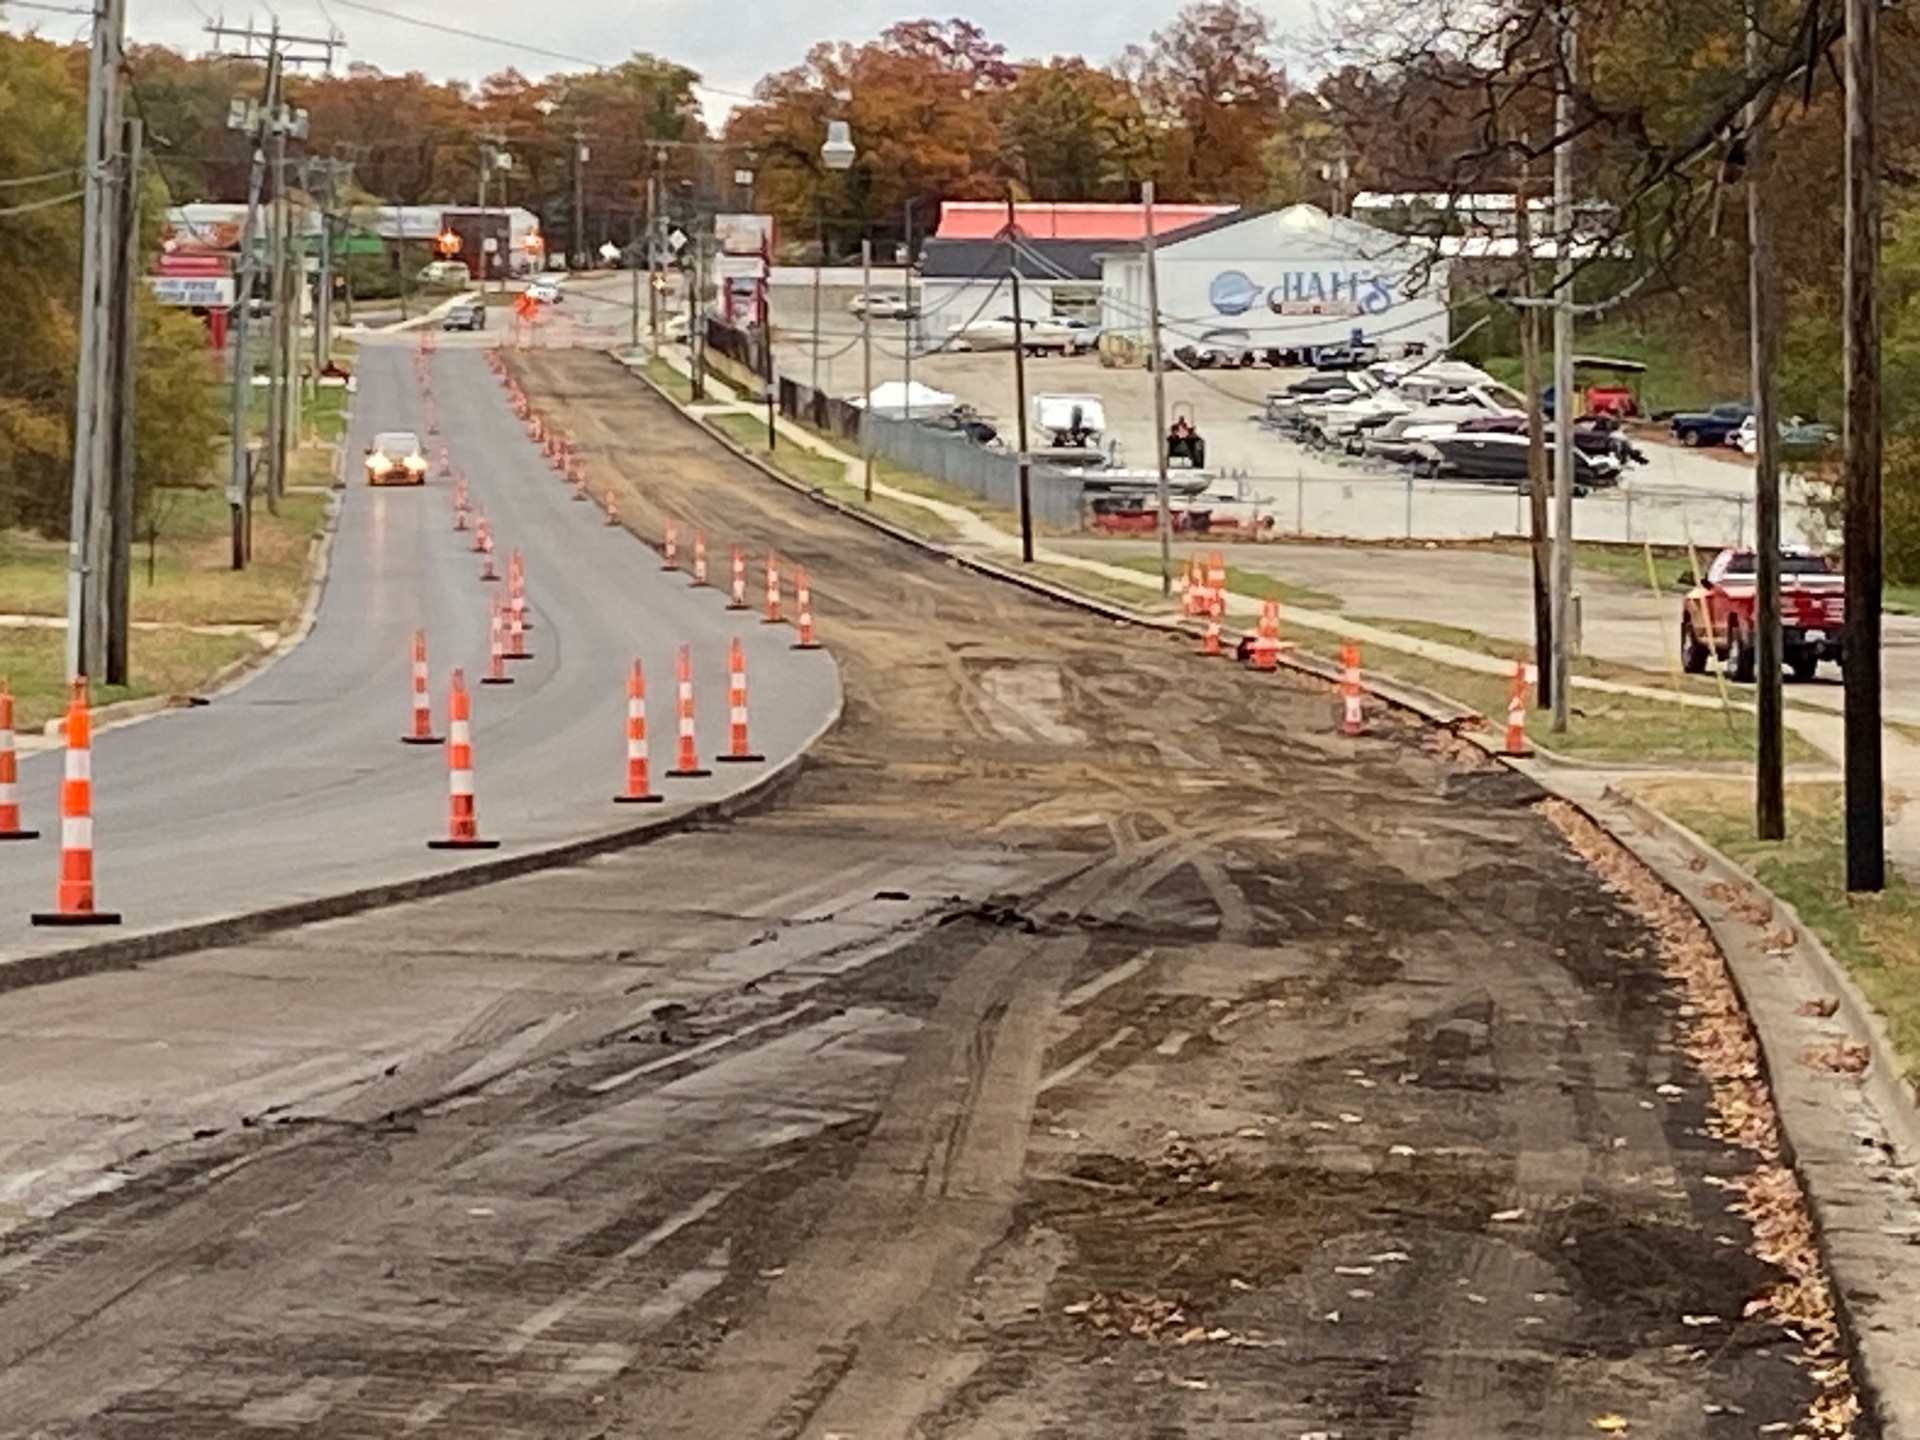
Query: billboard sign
[
  {"x": 199, "y": 292},
  {"x": 743, "y": 234}
]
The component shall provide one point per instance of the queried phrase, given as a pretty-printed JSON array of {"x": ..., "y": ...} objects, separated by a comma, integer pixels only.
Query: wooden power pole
[
  {"x": 1769, "y": 790},
  {"x": 1865, "y": 802}
]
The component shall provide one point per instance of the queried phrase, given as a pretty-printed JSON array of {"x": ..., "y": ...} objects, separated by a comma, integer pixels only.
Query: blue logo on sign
[{"x": 1233, "y": 293}]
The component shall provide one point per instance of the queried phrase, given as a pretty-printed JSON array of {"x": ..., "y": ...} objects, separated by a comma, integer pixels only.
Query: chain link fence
[{"x": 1362, "y": 505}]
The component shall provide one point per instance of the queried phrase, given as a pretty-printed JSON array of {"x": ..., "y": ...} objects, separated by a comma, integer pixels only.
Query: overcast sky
[{"x": 732, "y": 43}]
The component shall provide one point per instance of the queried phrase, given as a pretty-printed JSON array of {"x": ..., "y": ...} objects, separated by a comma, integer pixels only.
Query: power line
[
  {"x": 21, "y": 180},
  {"x": 505, "y": 42},
  {"x": 47, "y": 204}
]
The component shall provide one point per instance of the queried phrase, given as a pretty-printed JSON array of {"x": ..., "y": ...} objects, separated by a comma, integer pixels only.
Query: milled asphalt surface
[
  {"x": 296, "y": 785},
  {"x": 1491, "y": 593}
]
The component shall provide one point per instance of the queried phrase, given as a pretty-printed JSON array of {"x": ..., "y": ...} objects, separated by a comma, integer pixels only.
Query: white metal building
[{"x": 1287, "y": 279}]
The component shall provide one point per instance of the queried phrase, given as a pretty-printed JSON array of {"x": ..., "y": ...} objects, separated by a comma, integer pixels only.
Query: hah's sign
[{"x": 1303, "y": 292}]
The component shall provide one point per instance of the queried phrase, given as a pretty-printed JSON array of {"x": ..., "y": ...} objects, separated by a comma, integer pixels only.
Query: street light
[{"x": 835, "y": 154}]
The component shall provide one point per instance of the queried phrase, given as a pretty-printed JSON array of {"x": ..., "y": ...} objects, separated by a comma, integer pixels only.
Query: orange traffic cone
[
  {"x": 463, "y": 832},
  {"x": 687, "y": 764},
  {"x": 738, "y": 749},
  {"x": 517, "y": 588},
  {"x": 75, "y": 903},
  {"x": 487, "y": 573},
  {"x": 670, "y": 550},
  {"x": 803, "y": 604},
  {"x": 460, "y": 505},
  {"x": 700, "y": 557},
  {"x": 517, "y": 634},
  {"x": 480, "y": 528},
  {"x": 638, "y": 791},
  {"x": 10, "y": 774},
  {"x": 1264, "y": 654},
  {"x": 1210, "y": 637},
  {"x": 496, "y": 648},
  {"x": 737, "y": 600},
  {"x": 1517, "y": 745},
  {"x": 613, "y": 510},
  {"x": 772, "y": 616},
  {"x": 1352, "y": 720},
  {"x": 422, "y": 732}
]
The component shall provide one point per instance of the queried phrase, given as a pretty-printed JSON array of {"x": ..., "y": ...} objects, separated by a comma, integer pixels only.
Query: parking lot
[{"x": 1680, "y": 496}]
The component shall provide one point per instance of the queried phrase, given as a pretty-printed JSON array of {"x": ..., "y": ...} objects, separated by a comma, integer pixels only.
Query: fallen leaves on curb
[
  {"x": 1718, "y": 1037},
  {"x": 1842, "y": 1057}
]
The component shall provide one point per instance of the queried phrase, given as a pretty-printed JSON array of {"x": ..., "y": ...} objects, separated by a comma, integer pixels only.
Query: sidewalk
[{"x": 974, "y": 535}]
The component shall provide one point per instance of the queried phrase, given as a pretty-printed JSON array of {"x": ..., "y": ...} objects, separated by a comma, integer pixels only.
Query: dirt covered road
[{"x": 1091, "y": 1043}]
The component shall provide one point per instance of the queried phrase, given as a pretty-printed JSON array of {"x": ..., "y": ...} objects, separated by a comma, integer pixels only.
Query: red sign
[{"x": 191, "y": 265}]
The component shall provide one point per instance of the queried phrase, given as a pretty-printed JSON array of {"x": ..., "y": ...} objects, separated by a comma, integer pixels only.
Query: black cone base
[
  {"x": 423, "y": 739},
  {"x": 19, "y": 834},
  {"x": 60, "y": 918},
  {"x": 741, "y": 759},
  {"x": 638, "y": 799},
  {"x": 688, "y": 774},
  {"x": 496, "y": 679},
  {"x": 463, "y": 844}
]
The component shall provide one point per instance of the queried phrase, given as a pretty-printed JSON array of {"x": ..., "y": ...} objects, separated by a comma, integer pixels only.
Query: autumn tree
[
  {"x": 413, "y": 141},
  {"x": 920, "y": 103},
  {"x": 1075, "y": 132},
  {"x": 1211, "y": 79},
  {"x": 627, "y": 112},
  {"x": 183, "y": 103}
]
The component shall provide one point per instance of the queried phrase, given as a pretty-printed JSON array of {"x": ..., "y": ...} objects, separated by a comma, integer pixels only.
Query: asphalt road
[
  {"x": 1091, "y": 1043},
  {"x": 296, "y": 785}
]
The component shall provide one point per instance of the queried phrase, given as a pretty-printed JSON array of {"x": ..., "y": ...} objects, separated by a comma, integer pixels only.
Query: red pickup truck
[{"x": 1717, "y": 617}]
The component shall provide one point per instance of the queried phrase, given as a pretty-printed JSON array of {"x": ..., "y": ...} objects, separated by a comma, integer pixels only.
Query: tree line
[
  {"x": 1437, "y": 96},
  {"x": 42, "y": 177}
]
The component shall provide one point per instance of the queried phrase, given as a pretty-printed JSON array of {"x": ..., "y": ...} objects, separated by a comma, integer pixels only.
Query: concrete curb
[
  {"x": 1851, "y": 1140},
  {"x": 1894, "y": 1096},
  {"x": 132, "y": 951},
  {"x": 1864, "y": 1224}
]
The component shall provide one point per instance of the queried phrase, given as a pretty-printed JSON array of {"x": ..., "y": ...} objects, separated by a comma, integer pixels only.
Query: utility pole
[
  {"x": 277, "y": 379},
  {"x": 653, "y": 258},
  {"x": 85, "y": 543},
  {"x": 696, "y": 322},
  {"x": 582, "y": 256},
  {"x": 764, "y": 299},
  {"x": 913, "y": 311},
  {"x": 1865, "y": 802},
  {"x": 1769, "y": 789},
  {"x": 1024, "y": 457},
  {"x": 1150, "y": 248},
  {"x": 866, "y": 369},
  {"x": 240, "y": 480},
  {"x": 1539, "y": 545},
  {"x": 267, "y": 125},
  {"x": 125, "y": 358},
  {"x": 1563, "y": 452}
]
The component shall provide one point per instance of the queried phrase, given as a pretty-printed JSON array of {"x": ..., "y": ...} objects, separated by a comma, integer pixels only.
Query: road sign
[{"x": 207, "y": 292}]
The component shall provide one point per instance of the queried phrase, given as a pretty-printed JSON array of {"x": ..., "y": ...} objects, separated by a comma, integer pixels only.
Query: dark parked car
[
  {"x": 467, "y": 315},
  {"x": 1710, "y": 427}
]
